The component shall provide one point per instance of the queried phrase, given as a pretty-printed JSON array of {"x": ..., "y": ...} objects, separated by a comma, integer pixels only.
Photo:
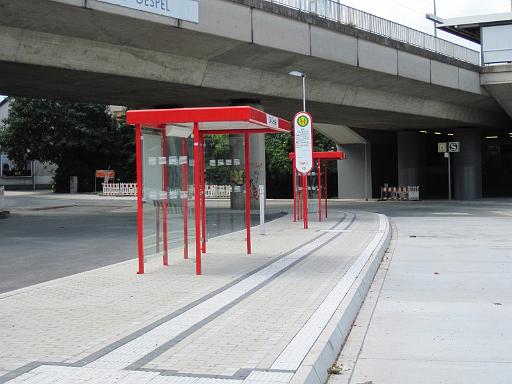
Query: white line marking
[{"x": 295, "y": 352}]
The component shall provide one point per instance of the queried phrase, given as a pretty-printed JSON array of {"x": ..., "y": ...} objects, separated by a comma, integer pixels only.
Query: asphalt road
[
  {"x": 48, "y": 236},
  {"x": 51, "y": 236}
]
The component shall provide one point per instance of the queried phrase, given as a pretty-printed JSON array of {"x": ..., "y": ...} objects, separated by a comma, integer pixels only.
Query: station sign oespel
[{"x": 179, "y": 9}]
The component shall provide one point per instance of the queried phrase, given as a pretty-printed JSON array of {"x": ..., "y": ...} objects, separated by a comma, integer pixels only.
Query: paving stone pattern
[{"x": 169, "y": 326}]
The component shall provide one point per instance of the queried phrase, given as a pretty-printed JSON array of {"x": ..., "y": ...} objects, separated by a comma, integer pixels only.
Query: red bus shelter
[
  {"x": 320, "y": 157},
  {"x": 169, "y": 148}
]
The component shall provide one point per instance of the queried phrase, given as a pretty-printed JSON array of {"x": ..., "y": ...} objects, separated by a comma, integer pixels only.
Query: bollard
[
  {"x": 73, "y": 184},
  {"x": 262, "y": 209}
]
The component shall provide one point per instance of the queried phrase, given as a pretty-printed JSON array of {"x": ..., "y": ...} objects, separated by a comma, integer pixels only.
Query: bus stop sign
[{"x": 303, "y": 135}]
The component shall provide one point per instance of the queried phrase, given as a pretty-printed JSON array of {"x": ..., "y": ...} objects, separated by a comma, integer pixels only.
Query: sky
[{"x": 412, "y": 13}]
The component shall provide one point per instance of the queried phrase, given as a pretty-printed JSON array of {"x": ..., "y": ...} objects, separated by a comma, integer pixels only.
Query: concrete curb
[{"x": 323, "y": 354}]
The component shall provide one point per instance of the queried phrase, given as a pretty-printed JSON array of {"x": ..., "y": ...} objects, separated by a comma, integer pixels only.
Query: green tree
[
  {"x": 279, "y": 165},
  {"x": 79, "y": 138}
]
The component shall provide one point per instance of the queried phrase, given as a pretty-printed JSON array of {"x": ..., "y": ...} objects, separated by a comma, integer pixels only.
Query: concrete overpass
[
  {"x": 93, "y": 51},
  {"x": 240, "y": 49}
]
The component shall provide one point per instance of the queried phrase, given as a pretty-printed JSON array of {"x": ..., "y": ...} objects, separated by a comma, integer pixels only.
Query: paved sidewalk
[
  {"x": 440, "y": 308},
  {"x": 250, "y": 318}
]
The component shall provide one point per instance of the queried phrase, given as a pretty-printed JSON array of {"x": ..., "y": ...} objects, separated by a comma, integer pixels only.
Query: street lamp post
[
  {"x": 303, "y": 75},
  {"x": 435, "y": 15},
  {"x": 304, "y": 175},
  {"x": 434, "y": 18}
]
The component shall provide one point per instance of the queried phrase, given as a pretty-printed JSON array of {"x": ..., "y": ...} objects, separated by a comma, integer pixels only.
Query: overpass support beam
[
  {"x": 468, "y": 164},
  {"x": 411, "y": 158},
  {"x": 352, "y": 172}
]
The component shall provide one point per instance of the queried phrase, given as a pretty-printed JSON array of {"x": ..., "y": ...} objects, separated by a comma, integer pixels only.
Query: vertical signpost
[
  {"x": 303, "y": 141},
  {"x": 448, "y": 149}
]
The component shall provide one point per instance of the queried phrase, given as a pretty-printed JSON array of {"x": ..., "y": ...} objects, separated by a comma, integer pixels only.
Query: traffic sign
[
  {"x": 454, "y": 146},
  {"x": 441, "y": 147},
  {"x": 303, "y": 137},
  {"x": 104, "y": 173}
]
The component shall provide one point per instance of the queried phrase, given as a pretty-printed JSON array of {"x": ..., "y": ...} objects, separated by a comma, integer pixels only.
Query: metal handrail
[{"x": 335, "y": 11}]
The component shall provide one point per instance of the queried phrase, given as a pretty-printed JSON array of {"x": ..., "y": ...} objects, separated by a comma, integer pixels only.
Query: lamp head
[{"x": 297, "y": 74}]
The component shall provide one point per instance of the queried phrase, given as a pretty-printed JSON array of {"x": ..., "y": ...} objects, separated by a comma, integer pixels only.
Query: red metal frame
[
  {"x": 156, "y": 118},
  {"x": 140, "y": 222},
  {"x": 201, "y": 121},
  {"x": 302, "y": 195},
  {"x": 305, "y": 199},
  {"x": 197, "y": 197},
  {"x": 164, "y": 203},
  {"x": 247, "y": 192},
  {"x": 325, "y": 186},
  {"x": 294, "y": 191},
  {"x": 319, "y": 172}
]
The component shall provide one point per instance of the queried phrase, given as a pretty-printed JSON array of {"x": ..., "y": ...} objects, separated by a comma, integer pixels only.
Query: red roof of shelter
[
  {"x": 337, "y": 155},
  {"x": 211, "y": 119}
]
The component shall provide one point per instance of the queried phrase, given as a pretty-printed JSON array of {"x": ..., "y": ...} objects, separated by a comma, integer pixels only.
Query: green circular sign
[{"x": 303, "y": 121}]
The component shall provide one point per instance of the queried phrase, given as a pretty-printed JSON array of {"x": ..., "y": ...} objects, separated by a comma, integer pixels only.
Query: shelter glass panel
[
  {"x": 168, "y": 193},
  {"x": 225, "y": 181}
]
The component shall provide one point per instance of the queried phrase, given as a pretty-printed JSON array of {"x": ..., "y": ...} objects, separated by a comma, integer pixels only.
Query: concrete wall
[{"x": 351, "y": 172}]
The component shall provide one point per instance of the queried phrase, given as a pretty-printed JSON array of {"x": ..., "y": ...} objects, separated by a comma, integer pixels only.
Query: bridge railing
[{"x": 335, "y": 11}]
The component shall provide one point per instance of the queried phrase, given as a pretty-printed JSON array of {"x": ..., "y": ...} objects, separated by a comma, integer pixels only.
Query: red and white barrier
[
  {"x": 119, "y": 189},
  {"x": 400, "y": 193}
]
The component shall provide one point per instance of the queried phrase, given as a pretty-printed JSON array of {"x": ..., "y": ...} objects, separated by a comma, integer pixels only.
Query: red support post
[
  {"x": 185, "y": 200},
  {"x": 319, "y": 171},
  {"x": 197, "y": 197},
  {"x": 247, "y": 192},
  {"x": 305, "y": 200},
  {"x": 164, "y": 202},
  {"x": 203, "y": 196},
  {"x": 299, "y": 198},
  {"x": 325, "y": 186},
  {"x": 140, "y": 219},
  {"x": 294, "y": 192}
]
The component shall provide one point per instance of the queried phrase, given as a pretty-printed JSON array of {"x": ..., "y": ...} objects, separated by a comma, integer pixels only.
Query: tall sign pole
[
  {"x": 303, "y": 142},
  {"x": 447, "y": 149},
  {"x": 448, "y": 154}
]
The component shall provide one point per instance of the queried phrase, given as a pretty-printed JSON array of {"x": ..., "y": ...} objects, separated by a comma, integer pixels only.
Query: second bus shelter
[{"x": 301, "y": 193}]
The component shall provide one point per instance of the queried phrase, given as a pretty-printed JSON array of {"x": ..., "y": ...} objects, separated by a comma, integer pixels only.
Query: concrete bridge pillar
[
  {"x": 257, "y": 160},
  {"x": 411, "y": 159},
  {"x": 467, "y": 164},
  {"x": 352, "y": 172}
]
